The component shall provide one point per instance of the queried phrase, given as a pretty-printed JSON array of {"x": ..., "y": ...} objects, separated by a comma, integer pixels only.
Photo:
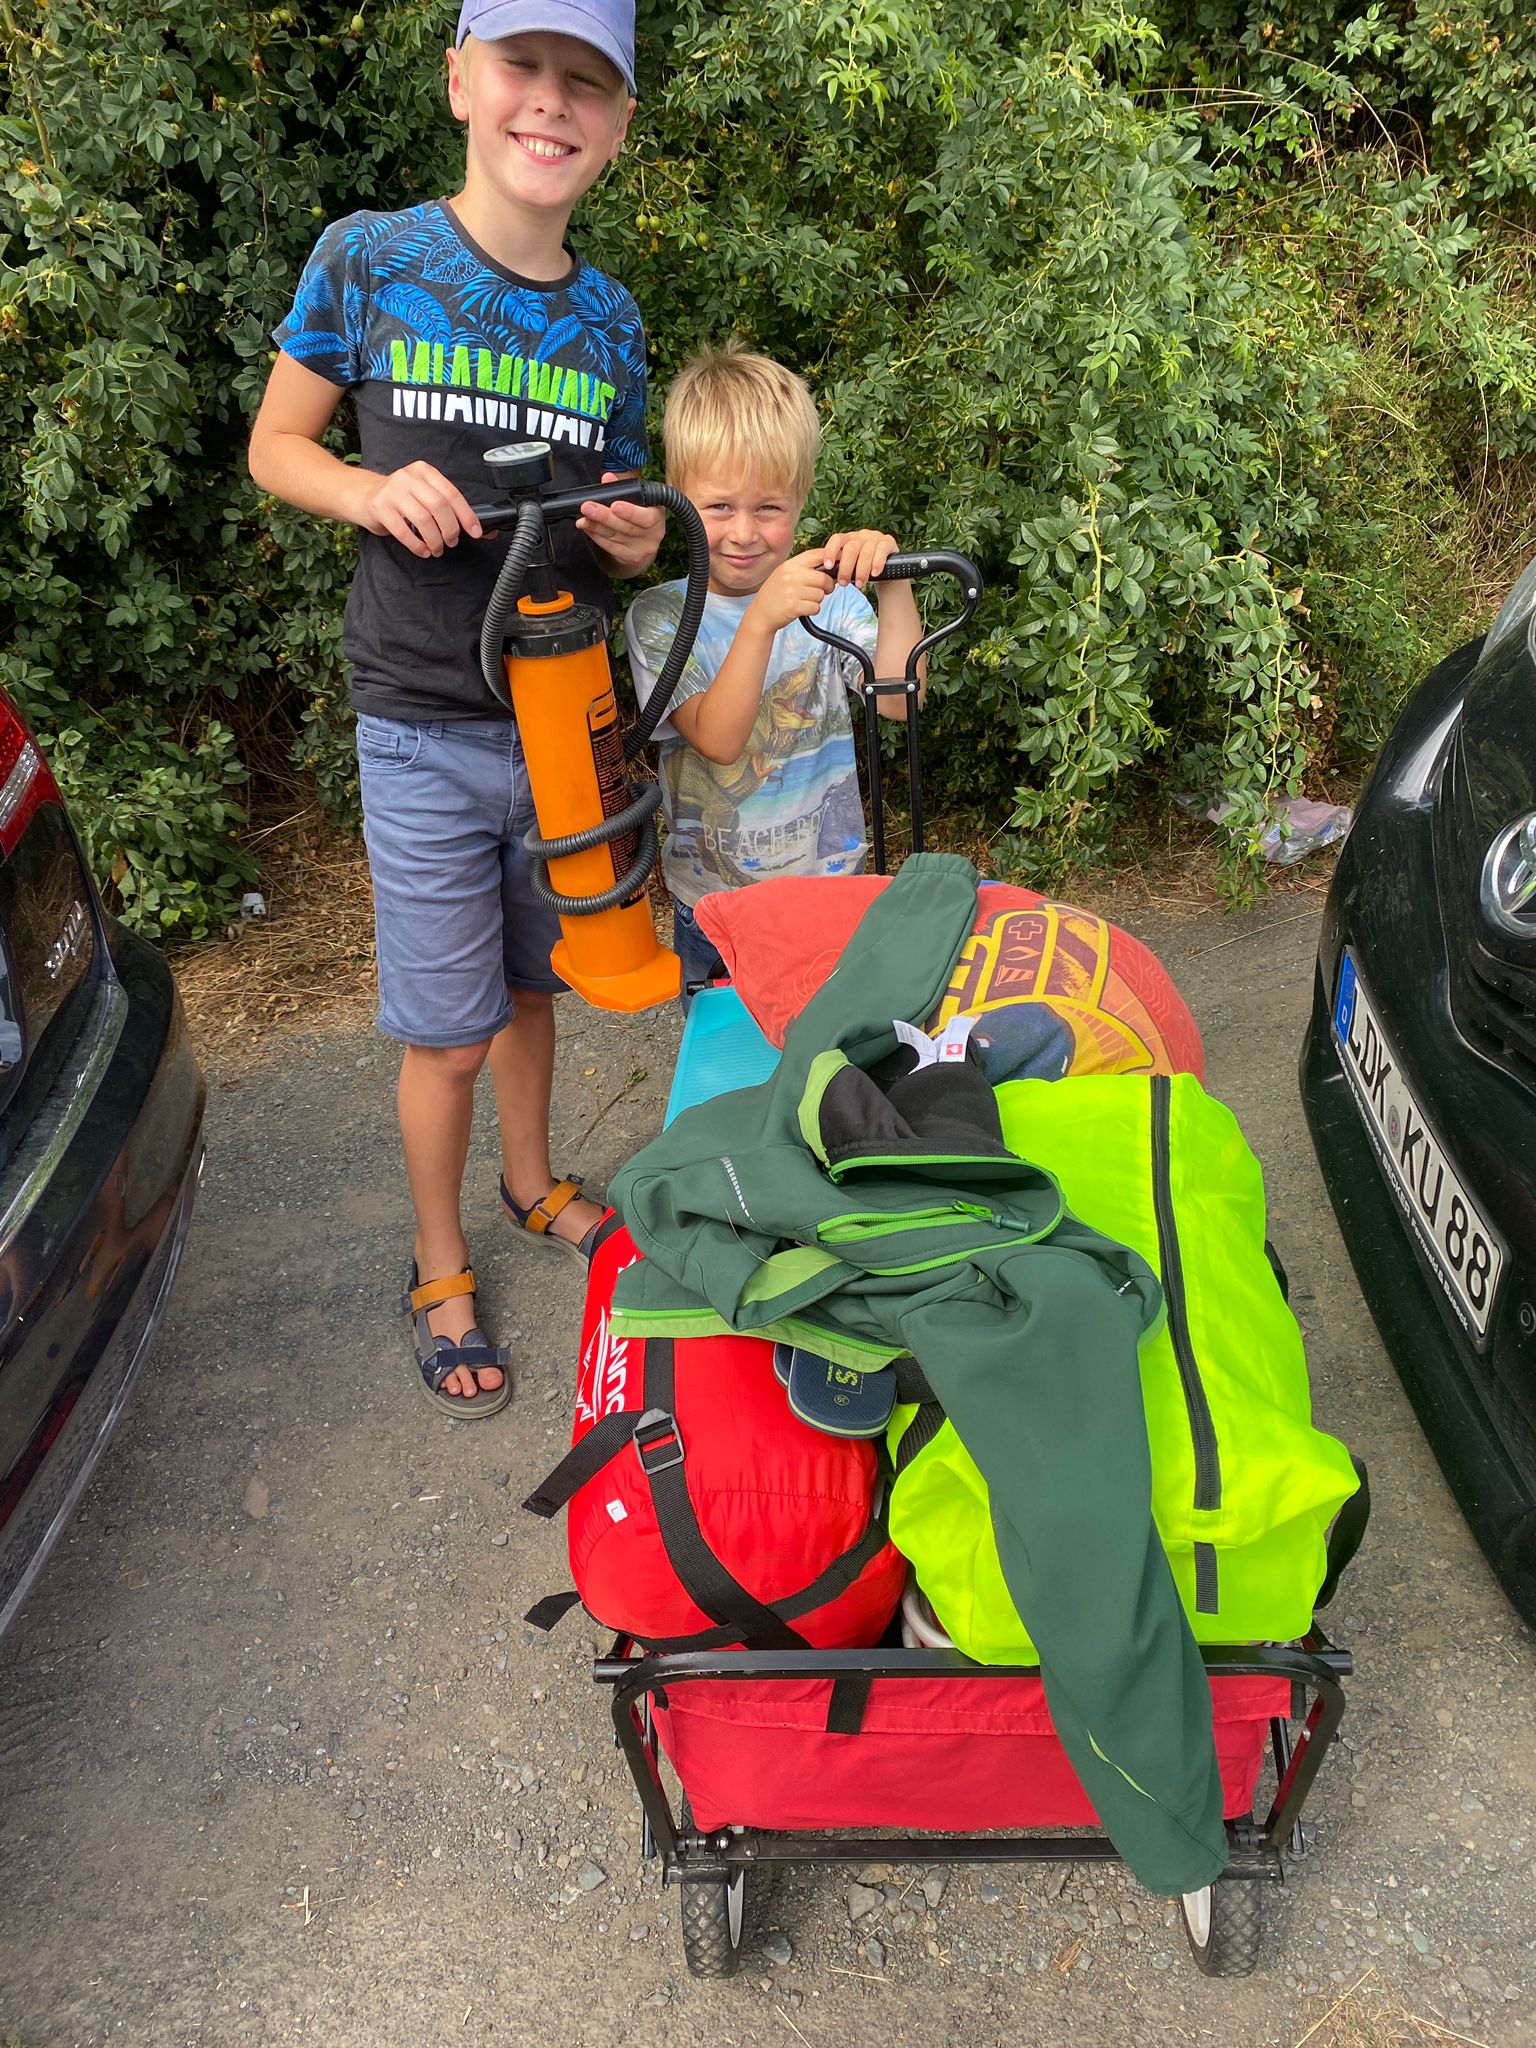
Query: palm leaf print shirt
[{"x": 446, "y": 355}]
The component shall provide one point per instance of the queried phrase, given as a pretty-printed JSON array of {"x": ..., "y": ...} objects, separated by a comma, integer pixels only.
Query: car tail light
[{"x": 26, "y": 780}]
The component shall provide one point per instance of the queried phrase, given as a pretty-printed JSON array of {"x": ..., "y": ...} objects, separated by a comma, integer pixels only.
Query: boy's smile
[
  {"x": 545, "y": 113},
  {"x": 750, "y": 526}
]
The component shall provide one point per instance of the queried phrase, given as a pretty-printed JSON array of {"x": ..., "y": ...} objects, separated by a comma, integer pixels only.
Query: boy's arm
[
  {"x": 625, "y": 538},
  {"x": 718, "y": 722},
  {"x": 859, "y": 557},
  {"x": 900, "y": 629},
  {"x": 416, "y": 504}
]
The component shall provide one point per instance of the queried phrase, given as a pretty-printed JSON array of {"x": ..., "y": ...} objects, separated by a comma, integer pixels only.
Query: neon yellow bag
[{"x": 1243, "y": 1486}]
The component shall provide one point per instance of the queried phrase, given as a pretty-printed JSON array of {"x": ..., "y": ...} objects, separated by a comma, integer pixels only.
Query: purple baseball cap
[{"x": 608, "y": 25}]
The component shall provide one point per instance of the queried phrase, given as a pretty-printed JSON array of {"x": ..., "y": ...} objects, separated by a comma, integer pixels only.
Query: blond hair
[{"x": 731, "y": 413}]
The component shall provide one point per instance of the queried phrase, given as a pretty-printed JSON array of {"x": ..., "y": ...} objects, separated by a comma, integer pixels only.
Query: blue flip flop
[{"x": 836, "y": 1399}]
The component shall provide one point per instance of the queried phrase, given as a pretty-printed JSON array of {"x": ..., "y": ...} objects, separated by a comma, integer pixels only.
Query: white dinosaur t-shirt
[{"x": 790, "y": 805}]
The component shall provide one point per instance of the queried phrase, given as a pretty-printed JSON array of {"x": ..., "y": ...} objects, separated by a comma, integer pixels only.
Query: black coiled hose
[
  {"x": 639, "y": 815},
  {"x": 660, "y": 699},
  {"x": 526, "y": 535}
]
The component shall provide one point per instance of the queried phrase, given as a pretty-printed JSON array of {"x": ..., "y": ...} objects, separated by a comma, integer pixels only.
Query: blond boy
[
  {"x": 455, "y": 326},
  {"x": 758, "y": 767}
]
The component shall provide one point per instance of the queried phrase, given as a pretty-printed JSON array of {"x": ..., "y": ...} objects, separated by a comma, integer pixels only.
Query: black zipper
[{"x": 1202, "y": 1430}]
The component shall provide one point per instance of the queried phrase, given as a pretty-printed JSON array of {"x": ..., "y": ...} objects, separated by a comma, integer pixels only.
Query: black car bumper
[
  {"x": 1475, "y": 1396},
  {"x": 87, "y": 1267},
  {"x": 1484, "y": 1454}
]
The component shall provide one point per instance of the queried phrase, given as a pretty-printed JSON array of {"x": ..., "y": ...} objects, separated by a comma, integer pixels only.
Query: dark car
[
  {"x": 101, "y": 1110},
  {"x": 1419, "y": 1071}
]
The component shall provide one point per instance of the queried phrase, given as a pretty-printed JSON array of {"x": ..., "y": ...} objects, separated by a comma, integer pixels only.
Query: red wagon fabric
[{"x": 961, "y": 1754}]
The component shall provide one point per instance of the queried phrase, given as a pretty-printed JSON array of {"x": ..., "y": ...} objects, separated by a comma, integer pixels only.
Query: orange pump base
[
  {"x": 642, "y": 988},
  {"x": 568, "y": 721}
]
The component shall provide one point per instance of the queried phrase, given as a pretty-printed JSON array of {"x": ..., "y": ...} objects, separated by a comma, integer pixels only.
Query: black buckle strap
[
  {"x": 739, "y": 1616},
  {"x": 912, "y": 1381},
  {"x": 610, "y": 1226},
  {"x": 658, "y": 1442},
  {"x": 827, "y": 1586},
  {"x": 705, "y": 1578},
  {"x": 553, "y": 1608},
  {"x": 919, "y": 1434},
  {"x": 583, "y": 1461},
  {"x": 848, "y": 1703}
]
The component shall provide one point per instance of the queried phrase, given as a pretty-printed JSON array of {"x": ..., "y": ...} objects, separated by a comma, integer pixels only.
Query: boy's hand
[
  {"x": 856, "y": 557},
  {"x": 626, "y": 536},
  {"x": 797, "y": 589},
  {"x": 420, "y": 508}
]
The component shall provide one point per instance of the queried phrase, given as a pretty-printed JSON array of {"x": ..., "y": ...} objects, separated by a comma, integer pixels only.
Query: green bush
[
  {"x": 168, "y": 168},
  {"x": 998, "y": 245},
  {"x": 156, "y": 825},
  {"x": 1447, "y": 89},
  {"x": 1181, "y": 324}
]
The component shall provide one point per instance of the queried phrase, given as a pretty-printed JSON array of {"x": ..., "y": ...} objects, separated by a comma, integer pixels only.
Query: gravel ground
[{"x": 280, "y": 1761}]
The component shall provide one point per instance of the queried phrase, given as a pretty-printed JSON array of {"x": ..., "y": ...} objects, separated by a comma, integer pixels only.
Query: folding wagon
[{"x": 799, "y": 1757}]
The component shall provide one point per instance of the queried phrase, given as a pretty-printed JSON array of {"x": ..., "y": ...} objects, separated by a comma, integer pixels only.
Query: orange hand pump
[{"x": 545, "y": 658}]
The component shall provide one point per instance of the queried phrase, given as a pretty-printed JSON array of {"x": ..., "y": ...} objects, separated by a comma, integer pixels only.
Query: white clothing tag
[
  {"x": 952, "y": 1039},
  {"x": 618, "y": 1511},
  {"x": 927, "y": 1052}
]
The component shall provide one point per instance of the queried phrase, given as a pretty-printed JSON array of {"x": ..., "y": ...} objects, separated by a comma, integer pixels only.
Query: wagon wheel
[
  {"x": 712, "y": 1919},
  {"x": 1224, "y": 1924}
]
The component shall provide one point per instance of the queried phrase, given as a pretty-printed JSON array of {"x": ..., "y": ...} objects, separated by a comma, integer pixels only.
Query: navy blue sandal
[
  {"x": 537, "y": 1218},
  {"x": 437, "y": 1357}
]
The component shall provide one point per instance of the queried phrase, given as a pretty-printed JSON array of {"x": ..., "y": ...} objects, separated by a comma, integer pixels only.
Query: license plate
[{"x": 1462, "y": 1247}]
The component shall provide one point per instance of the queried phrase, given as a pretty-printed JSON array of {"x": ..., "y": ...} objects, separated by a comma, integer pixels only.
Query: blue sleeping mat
[{"x": 722, "y": 1049}]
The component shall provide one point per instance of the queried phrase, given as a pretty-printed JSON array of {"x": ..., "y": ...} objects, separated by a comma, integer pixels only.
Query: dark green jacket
[{"x": 865, "y": 1213}]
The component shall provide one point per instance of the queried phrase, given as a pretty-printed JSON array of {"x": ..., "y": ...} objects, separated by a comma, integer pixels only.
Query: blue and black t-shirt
[{"x": 447, "y": 354}]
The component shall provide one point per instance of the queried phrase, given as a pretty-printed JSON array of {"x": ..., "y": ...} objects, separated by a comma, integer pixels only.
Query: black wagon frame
[{"x": 1223, "y": 1924}]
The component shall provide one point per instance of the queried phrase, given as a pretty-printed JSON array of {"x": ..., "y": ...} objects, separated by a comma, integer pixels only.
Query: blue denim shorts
[{"x": 445, "y": 808}]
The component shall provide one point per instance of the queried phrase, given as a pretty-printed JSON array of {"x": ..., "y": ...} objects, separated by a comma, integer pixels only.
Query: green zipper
[{"x": 883, "y": 1223}]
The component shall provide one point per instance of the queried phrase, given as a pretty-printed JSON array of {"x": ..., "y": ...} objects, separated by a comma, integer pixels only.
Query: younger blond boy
[{"x": 758, "y": 769}]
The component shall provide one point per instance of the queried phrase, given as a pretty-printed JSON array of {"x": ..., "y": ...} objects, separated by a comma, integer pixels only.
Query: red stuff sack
[{"x": 703, "y": 1514}]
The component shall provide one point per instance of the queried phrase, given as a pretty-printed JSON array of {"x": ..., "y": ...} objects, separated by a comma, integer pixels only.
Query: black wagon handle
[
  {"x": 911, "y": 568},
  {"x": 907, "y": 568}
]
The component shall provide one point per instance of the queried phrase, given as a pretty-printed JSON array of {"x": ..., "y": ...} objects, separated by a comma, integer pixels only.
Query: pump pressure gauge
[{"x": 521, "y": 465}]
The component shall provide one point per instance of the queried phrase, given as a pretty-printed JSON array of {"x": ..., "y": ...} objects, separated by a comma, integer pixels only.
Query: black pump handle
[
  {"x": 562, "y": 504},
  {"x": 523, "y": 469},
  {"x": 931, "y": 562}
]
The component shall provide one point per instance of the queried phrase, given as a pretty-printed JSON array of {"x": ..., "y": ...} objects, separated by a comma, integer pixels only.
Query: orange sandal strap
[
  {"x": 548, "y": 1207},
  {"x": 432, "y": 1293}
]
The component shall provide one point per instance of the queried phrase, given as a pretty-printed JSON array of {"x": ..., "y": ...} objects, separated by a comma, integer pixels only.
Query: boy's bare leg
[
  {"x": 522, "y": 1063},
  {"x": 436, "y": 1099}
]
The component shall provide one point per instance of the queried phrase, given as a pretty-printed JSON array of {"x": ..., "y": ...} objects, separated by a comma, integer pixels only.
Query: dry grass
[
  {"x": 1165, "y": 868},
  {"x": 1503, "y": 537},
  {"x": 307, "y": 965},
  {"x": 1364, "y": 2017}
]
